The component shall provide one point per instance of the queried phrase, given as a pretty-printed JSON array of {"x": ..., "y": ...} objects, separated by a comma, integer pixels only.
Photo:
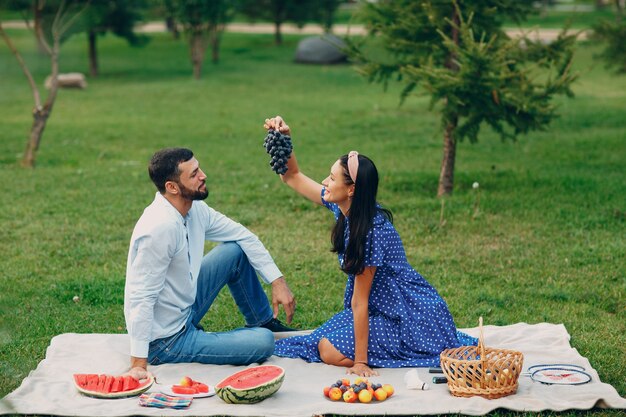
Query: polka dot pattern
[{"x": 409, "y": 322}]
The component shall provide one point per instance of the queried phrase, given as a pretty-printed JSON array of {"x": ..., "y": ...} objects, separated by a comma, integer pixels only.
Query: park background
[{"x": 542, "y": 239}]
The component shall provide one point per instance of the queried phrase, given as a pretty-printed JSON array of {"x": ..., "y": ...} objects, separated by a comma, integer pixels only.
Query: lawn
[{"x": 544, "y": 242}]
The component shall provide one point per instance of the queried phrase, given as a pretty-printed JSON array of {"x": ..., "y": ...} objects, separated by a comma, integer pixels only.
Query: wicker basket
[{"x": 477, "y": 370}]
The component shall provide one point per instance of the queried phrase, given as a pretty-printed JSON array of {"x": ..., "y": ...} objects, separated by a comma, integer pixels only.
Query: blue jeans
[{"x": 228, "y": 265}]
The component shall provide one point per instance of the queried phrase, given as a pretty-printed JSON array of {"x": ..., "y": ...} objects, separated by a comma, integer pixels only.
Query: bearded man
[{"x": 171, "y": 283}]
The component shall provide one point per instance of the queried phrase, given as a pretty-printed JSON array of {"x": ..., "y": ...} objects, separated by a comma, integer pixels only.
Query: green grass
[{"x": 548, "y": 243}]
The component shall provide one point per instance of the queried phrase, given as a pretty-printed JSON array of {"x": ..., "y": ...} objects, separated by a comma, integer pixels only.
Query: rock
[
  {"x": 325, "y": 49},
  {"x": 69, "y": 80}
]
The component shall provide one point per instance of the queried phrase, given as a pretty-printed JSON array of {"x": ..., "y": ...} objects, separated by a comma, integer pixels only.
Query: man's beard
[{"x": 190, "y": 194}]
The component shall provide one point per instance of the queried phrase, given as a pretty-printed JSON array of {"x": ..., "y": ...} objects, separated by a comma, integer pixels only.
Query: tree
[
  {"x": 324, "y": 12},
  {"x": 203, "y": 22},
  {"x": 475, "y": 74},
  {"x": 116, "y": 16},
  {"x": 278, "y": 12},
  {"x": 35, "y": 10},
  {"x": 612, "y": 34},
  {"x": 64, "y": 18}
]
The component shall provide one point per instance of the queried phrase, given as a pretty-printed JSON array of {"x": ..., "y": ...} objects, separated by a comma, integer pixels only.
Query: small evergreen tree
[
  {"x": 475, "y": 74},
  {"x": 612, "y": 33}
]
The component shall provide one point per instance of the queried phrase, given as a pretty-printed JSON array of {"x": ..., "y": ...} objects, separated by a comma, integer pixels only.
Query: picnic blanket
[{"x": 49, "y": 388}]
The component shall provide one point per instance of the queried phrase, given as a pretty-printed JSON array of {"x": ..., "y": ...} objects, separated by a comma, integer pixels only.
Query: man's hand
[
  {"x": 138, "y": 368},
  {"x": 281, "y": 294}
]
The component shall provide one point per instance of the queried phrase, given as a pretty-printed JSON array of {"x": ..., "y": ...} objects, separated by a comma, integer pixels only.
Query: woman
[{"x": 392, "y": 316}]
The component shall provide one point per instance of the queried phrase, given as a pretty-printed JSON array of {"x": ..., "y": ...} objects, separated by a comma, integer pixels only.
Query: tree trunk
[
  {"x": 446, "y": 177},
  {"x": 619, "y": 9},
  {"x": 93, "y": 53},
  {"x": 197, "y": 52},
  {"x": 38, "y": 27},
  {"x": 40, "y": 117},
  {"x": 214, "y": 39},
  {"x": 278, "y": 36},
  {"x": 172, "y": 27}
]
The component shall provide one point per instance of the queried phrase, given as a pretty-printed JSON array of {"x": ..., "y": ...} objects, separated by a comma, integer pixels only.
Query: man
[{"x": 170, "y": 284}]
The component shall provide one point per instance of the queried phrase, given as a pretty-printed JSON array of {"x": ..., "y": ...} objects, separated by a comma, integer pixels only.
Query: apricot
[
  {"x": 380, "y": 394},
  {"x": 326, "y": 391},
  {"x": 350, "y": 396},
  {"x": 186, "y": 382},
  {"x": 345, "y": 382},
  {"x": 335, "y": 394},
  {"x": 365, "y": 396},
  {"x": 388, "y": 389}
]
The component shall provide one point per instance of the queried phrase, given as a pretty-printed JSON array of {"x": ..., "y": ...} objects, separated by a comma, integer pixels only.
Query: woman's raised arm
[{"x": 295, "y": 179}]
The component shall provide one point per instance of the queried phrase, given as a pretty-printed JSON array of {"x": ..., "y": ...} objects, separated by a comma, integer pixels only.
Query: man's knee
[
  {"x": 230, "y": 250},
  {"x": 264, "y": 341}
]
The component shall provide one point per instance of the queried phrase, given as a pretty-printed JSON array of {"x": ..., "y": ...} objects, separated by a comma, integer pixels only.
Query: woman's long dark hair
[{"x": 362, "y": 212}]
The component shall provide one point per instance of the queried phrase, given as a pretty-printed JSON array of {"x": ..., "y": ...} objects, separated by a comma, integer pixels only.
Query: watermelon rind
[
  {"x": 143, "y": 387},
  {"x": 251, "y": 395}
]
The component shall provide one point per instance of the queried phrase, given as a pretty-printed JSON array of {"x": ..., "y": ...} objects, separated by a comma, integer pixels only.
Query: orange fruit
[
  {"x": 335, "y": 394},
  {"x": 186, "y": 382},
  {"x": 389, "y": 389},
  {"x": 350, "y": 396},
  {"x": 380, "y": 394},
  {"x": 365, "y": 396}
]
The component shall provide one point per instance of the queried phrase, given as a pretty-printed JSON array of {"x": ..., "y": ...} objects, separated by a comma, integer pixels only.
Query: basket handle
[{"x": 481, "y": 342}]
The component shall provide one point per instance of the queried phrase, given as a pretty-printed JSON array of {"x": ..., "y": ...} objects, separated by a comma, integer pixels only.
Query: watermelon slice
[
  {"x": 109, "y": 386},
  {"x": 251, "y": 385}
]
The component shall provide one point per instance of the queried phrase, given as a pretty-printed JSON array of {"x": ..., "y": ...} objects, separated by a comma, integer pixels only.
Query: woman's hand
[
  {"x": 277, "y": 123},
  {"x": 361, "y": 369}
]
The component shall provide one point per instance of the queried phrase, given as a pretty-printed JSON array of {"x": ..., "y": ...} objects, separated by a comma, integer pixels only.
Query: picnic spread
[{"x": 554, "y": 376}]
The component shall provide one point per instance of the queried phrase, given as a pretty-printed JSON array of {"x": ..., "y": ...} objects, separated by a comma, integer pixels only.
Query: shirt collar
[{"x": 163, "y": 202}]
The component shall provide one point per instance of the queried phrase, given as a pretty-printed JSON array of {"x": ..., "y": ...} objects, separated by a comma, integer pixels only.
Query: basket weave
[{"x": 477, "y": 370}]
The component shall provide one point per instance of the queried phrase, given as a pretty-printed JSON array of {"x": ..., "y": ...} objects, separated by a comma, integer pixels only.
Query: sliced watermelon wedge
[{"x": 109, "y": 386}]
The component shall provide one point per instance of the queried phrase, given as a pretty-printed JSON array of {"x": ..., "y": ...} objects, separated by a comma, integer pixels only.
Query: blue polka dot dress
[{"x": 409, "y": 323}]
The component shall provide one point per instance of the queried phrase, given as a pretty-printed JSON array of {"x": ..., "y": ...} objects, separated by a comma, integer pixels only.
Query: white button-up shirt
[{"x": 166, "y": 251}]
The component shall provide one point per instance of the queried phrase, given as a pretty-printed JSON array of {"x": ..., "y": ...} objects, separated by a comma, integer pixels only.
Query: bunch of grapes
[{"x": 279, "y": 147}]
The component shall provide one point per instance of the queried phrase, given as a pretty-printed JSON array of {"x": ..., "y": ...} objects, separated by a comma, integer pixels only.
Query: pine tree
[
  {"x": 612, "y": 33},
  {"x": 458, "y": 52}
]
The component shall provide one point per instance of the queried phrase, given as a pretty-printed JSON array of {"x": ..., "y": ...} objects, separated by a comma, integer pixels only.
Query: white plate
[
  {"x": 167, "y": 389},
  {"x": 555, "y": 365},
  {"x": 558, "y": 376}
]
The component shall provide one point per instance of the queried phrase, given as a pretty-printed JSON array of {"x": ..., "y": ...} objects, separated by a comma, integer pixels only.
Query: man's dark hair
[{"x": 164, "y": 165}]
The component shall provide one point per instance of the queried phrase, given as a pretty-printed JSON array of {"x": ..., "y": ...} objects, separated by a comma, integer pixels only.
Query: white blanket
[{"x": 49, "y": 389}]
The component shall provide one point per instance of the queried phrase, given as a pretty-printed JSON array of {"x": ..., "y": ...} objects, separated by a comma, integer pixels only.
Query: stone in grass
[
  {"x": 69, "y": 80},
  {"x": 325, "y": 49}
]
